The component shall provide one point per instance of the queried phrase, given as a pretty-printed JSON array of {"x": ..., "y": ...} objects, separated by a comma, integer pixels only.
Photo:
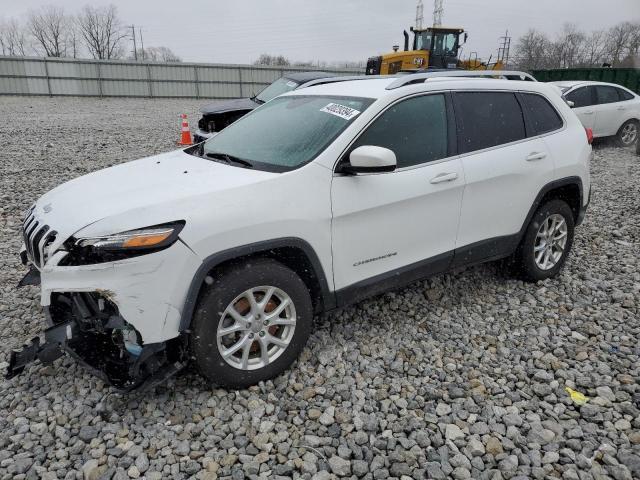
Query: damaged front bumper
[{"x": 89, "y": 328}]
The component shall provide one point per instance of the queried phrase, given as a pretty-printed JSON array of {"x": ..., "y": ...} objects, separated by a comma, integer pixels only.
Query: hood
[
  {"x": 229, "y": 106},
  {"x": 145, "y": 192}
]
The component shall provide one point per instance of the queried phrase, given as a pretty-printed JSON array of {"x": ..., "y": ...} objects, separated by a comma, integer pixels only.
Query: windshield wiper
[
  {"x": 257, "y": 100},
  {"x": 225, "y": 157}
]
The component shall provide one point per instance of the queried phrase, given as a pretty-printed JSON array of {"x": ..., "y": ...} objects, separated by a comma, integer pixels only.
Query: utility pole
[
  {"x": 438, "y": 12},
  {"x": 419, "y": 15},
  {"x": 504, "y": 49},
  {"x": 141, "y": 42},
  {"x": 133, "y": 36}
]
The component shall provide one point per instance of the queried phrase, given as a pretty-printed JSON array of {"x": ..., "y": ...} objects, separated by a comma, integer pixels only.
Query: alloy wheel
[
  {"x": 550, "y": 242},
  {"x": 256, "y": 328},
  {"x": 629, "y": 133}
]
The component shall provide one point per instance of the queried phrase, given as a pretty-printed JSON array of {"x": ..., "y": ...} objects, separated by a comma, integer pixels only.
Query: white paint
[{"x": 394, "y": 218}]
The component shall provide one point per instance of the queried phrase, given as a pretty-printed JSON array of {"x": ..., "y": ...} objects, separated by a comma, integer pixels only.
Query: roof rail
[
  {"x": 345, "y": 78},
  {"x": 422, "y": 77}
]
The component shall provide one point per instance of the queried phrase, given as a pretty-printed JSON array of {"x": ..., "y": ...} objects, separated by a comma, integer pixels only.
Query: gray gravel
[{"x": 462, "y": 376}]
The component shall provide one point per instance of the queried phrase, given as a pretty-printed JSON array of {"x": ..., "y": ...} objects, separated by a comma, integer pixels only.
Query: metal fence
[
  {"x": 628, "y": 77},
  {"x": 109, "y": 78}
]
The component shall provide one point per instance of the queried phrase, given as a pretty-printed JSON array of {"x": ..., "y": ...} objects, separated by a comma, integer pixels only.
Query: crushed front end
[
  {"x": 88, "y": 326},
  {"x": 113, "y": 310}
]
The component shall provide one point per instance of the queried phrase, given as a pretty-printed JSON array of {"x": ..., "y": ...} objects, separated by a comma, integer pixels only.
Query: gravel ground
[{"x": 461, "y": 376}]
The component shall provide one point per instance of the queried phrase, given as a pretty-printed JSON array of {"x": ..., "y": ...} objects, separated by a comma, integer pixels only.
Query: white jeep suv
[{"x": 220, "y": 255}]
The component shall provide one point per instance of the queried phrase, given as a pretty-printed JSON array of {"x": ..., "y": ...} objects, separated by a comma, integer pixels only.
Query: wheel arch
[
  {"x": 292, "y": 252},
  {"x": 568, "y": 189}
]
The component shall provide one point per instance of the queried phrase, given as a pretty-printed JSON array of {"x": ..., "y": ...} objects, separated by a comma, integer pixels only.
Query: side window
[
  {"x": 415, "y": 129},
  {"x": 581, "y": 97},
  {"x": 487, "y": 119},
  {"x": 541, "y": 115},
  {"x": 607, "y": 94},
  {"x": 624, "y": 95}
]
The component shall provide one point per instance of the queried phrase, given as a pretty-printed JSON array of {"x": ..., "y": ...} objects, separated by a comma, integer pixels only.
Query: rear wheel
[
  {"x": 628, "y": 133},
  {"x": 251, "y": 323},
  {"x": 546, "y": 242}
]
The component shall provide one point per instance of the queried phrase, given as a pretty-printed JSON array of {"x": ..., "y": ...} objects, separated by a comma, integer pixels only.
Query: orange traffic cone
[{"x": 185, "y": 134}]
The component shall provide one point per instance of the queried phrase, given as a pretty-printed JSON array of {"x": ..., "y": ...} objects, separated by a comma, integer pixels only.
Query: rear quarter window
[
  {"x": 624, "y": 95},
  {"x": 541, "y": 116}
]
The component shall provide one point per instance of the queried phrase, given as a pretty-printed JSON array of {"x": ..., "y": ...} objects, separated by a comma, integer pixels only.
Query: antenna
[
  {"x": 438, "y": 12},
  {"x": 419, "y": 15}
]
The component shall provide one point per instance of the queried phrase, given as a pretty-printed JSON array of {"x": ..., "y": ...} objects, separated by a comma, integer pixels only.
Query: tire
[
  {"x": 230, "y": 293},
  {"x": 527, "y": 260},
  {"x": 628, "y": 133}
]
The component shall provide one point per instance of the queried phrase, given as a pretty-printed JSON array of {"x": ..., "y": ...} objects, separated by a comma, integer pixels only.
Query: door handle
[
  {"x": 444, "y": 177},
  {"x": 535, "y": 156},
  {"x": 621, "y": 108},
  {"x": 590, "y": 112}
]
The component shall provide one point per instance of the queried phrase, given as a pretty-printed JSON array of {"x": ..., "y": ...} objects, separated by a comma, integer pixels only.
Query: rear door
[
  {"x": 387, "y": 226},
  {"x": 611, "y": 111},
  {"x": 584, "y": 100},
  {"x": 505, "y": 167}
]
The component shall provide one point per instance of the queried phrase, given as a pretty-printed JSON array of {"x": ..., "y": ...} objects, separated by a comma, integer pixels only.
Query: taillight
[{"x": 589, "y": 135}]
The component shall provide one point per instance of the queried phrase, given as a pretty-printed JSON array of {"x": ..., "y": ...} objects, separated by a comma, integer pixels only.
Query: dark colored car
[{"x": 216, "y": 116}]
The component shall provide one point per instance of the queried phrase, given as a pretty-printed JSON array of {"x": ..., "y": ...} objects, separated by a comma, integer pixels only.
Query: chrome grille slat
[
  {"x": 37, "y": 244},
  {"x": 30, "y": 233},
  {"x": 37, "y": 237}
]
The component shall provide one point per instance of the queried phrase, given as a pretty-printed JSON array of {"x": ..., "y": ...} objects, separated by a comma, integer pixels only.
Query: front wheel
[
  {"x": 628, "y": 133},
  {"x": 251, "y": 323},
  {"x": 546, "y": 242}
]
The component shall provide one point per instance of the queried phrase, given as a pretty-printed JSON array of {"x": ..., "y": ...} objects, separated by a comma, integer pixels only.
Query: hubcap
[
  {"x": 551, "y": 240},
  {"x": 629, "y": 133},
  {"x": 256, "y": 328}
]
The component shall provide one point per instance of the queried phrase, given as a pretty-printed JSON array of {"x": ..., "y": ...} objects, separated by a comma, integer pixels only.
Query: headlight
[{"x": 118, "y": 246}]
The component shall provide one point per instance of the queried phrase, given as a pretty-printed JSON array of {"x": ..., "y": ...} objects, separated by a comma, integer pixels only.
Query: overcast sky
[{"x": 238, "y": 31}]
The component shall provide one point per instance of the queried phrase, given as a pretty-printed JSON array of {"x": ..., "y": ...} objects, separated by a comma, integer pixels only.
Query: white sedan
[{"x": 606, "y": 108}]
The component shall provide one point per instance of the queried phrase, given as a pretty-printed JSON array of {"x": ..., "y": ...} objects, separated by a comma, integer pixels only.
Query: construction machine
[{"x": 433, "y": 47}]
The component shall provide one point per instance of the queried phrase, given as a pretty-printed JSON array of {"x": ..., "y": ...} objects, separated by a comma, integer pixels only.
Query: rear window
[
  {"x": 541, "y": 116},
  {"x": 487, "y": 119}
]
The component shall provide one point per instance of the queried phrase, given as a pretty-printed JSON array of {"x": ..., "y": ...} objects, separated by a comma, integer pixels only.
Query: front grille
[{"x": 37, "y": 237}]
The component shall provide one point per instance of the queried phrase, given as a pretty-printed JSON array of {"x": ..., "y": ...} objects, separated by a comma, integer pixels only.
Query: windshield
[
  {"x": 287, "y": 132},
  {"x": 280, "y": 86}
]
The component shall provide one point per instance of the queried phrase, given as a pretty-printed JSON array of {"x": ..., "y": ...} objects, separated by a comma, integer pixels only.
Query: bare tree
[
  {"x": 568, "y": 49},
  {"x": 102, "y": 31},
  {"x": 594, "y": 48},
  {"x": 532, "y": 50},
  {"x": 13, "y": 39},
  {"x": 157, "y": 54},
  {"x": 49, "y": 27},
  {"x": 272, "y": 60},
  {"x": 619, "y": 37}
]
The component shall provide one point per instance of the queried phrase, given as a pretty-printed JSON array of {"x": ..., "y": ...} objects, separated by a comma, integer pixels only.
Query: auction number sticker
[{"x": 341, "y": 111}]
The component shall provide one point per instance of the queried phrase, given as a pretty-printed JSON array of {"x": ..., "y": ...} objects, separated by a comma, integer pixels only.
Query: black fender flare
[
  {"x": 562, "y": 182},
  {"x": 212, "y": 261}
]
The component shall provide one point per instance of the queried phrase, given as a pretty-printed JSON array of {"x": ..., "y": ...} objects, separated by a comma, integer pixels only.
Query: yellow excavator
[{"x": 433, "y": 48}]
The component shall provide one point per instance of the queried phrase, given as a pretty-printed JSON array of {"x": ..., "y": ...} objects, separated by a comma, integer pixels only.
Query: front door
[
  {"x": 401, "y": 225},
  {"x": 584, "y": 100}
]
